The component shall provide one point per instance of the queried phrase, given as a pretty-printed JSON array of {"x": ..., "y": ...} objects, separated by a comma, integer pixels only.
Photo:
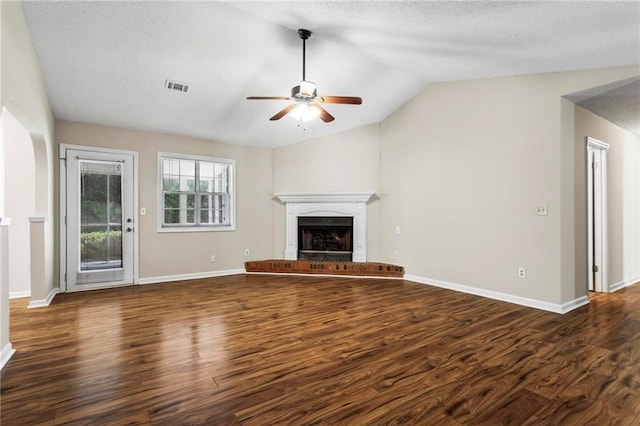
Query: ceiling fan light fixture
[
  {"x": 304, "y": 111},
  {"x": 306, "y": 102}
]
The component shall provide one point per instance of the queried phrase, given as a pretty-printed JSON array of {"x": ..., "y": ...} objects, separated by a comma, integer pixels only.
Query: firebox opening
[{"x": 325, "y": 238}]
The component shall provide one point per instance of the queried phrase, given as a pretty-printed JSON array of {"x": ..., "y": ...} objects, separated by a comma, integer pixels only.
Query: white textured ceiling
[{"x": 107, "y": 62}]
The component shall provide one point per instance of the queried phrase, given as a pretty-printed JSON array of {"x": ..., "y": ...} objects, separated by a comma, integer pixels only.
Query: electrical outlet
[
  {"x": 246, "y": 252},
  {"x": 396, "y": 255},
  {"x": 522, "y": 273},
  {"x": 397, "y": 229},
  {"x": 542, "y": 210},
  {"x": 213, "y": 258}
]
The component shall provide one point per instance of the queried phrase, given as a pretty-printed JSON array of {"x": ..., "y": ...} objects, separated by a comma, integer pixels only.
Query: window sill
[{"x": 180, "y": 229}]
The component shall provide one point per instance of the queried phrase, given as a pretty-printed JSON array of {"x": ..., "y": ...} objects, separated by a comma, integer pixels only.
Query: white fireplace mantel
[{"x": 348, "y": 204}]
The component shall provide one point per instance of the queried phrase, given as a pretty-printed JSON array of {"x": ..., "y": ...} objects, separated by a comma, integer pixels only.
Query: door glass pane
[{"x": 100, "y": 215}]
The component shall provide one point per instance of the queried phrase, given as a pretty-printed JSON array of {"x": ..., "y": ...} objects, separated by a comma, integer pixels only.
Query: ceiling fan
[{"x": 306, "y": 104}]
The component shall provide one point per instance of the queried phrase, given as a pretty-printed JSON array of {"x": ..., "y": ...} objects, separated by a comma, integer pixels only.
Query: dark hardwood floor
[{"x": 265, "y": 350}]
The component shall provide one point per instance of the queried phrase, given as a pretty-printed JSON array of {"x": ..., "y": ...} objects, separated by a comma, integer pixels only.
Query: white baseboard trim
[
  {"x": 324, "y": 275},
  {"x": 523, "y": 301},
  {"x": 19, "y": 294},
  {"x": 622, "y": 284},
  {"x": 573, "y": 304},
  {"x": 44, "y": 302},
  {"x": 193, "y": 276},
  {"x": 5, "y": 354}
]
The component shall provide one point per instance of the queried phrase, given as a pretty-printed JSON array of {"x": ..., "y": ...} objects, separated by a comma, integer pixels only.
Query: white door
[
  {"x": 597, "y": 214},
  {"x": 99, "y": 219}
]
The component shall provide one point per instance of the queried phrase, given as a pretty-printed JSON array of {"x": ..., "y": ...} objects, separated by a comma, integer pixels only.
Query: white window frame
[{"x": 231, "y": 226}]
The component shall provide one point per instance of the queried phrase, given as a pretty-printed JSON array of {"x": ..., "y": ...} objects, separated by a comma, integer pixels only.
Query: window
[{"x": 196, "y": 193}]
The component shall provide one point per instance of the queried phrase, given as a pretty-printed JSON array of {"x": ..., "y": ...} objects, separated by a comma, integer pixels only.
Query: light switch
[{"x": 143, "y": 211}]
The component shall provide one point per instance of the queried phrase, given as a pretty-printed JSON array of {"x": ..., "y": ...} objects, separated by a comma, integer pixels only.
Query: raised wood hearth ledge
[{"x": 327, "y": 267}]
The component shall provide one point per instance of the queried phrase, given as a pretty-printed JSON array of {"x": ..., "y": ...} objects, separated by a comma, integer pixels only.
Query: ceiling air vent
[{"x": 176, "y": 85}]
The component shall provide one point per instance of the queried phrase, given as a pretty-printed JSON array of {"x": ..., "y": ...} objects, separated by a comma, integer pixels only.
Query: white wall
[
  {"x": 345, "y": 162},
  {"x": 623, "y": 195},
  {"x": 19, "y": 202},
  {"x": 466, "y": 163},
  {"x": 24, "y": 95},
  {"x": 175, "y": 254}
]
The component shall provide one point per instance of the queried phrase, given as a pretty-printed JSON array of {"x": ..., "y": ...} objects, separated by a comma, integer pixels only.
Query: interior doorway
[
  {"x": 597, "y": 215},
  {"x": 99, "y": 223}
]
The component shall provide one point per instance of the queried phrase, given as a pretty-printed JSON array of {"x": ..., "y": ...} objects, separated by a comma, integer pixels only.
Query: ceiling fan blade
[
  {"x": 268, "y": 98},
  {"x": 284, "y": 111},
  {"x": 324, "y": 115},
  {"x": 352, "y": 100}
]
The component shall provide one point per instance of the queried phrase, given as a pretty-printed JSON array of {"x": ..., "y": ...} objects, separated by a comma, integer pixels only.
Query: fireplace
[
  {"x": 351, "y": 205},
  {"x": 325, "y": 238}
]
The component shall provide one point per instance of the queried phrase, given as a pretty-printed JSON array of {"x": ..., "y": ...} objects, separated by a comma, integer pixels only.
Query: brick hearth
[{"x": 369, "y": 269}]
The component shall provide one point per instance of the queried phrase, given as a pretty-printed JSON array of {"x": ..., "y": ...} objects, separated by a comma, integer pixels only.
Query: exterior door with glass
[{"x": 99, "y": 219}]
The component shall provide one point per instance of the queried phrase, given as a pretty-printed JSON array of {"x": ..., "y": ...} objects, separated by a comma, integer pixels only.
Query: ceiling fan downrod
[{"x": 304, "y": 35}]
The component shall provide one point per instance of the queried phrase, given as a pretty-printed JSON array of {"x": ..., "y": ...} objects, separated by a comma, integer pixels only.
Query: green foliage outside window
[
  {"x": 195, "y": 192},
  {"x": 95, "y": 206},
  {"x": 100, "y": 246},
  {"x": 100, "y": 214}
]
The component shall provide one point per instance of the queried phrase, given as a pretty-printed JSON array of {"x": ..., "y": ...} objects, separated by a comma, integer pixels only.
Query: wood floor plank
[
  {"x": 514, "y": 410},
  {"x": 260, "y": 349}
]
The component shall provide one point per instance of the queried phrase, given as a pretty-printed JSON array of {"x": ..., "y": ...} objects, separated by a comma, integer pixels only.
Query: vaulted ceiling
[{"x": 107, "y": 62}]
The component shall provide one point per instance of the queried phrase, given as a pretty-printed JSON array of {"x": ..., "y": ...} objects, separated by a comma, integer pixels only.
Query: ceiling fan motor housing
[{"x": 305, "y": 90}]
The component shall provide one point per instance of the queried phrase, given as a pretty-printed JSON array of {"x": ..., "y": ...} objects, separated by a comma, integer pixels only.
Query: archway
[
  {"x": 24, "y": 205},
  {"x": 19, "y": 201}
]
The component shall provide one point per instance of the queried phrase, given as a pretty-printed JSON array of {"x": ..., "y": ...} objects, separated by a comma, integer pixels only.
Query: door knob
[{"x": 129, "y": 229}]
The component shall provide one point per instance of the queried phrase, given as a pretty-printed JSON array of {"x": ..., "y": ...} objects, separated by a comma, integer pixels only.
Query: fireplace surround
[{"x": 327, "y": 205}]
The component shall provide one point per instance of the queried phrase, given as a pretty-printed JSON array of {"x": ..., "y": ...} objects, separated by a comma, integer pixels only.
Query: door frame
[
  {"x": 62, "y": 204},
  {"x": 597, "y": 216}
]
